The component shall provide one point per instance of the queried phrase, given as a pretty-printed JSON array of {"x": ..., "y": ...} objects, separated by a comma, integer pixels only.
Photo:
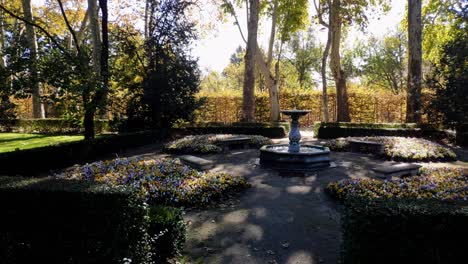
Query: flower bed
[
  {"x": 440, "y": 184},
  {"x": 209, "y": 143},
  {"x": 401, "y": 148},
  {"x": 162, "y": 181}
]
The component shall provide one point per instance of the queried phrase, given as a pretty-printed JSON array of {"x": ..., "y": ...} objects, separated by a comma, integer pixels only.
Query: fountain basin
[{"x": 309, "y": 157}]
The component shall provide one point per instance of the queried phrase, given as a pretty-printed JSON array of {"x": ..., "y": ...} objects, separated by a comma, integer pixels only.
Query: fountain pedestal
[{"x": 295, "y": 156}]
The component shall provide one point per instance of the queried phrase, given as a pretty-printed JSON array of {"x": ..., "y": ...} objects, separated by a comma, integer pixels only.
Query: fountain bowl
[{"x": 309, "y": 157}]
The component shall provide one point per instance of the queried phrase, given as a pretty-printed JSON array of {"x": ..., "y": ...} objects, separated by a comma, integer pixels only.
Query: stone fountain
[{"x": 295, "y": 156}]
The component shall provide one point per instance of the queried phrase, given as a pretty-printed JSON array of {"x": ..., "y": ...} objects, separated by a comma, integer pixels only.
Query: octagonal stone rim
[{"x": 266, "y": 148}]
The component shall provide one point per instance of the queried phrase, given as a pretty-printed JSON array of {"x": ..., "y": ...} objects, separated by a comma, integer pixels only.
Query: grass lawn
[{"x": 13, "y": 141}]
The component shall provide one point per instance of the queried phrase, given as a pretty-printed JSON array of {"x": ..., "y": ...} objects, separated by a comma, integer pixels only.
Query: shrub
[
  {"x": 343, "y": 129},
  {"x": 209, "y": 143},
  {"x": 162, "y": 181},
  {"x": 410, "y": 220},
  {"x": 400, "y": 148},
  {"x": 54, "y": 126},
  {"x": 404, "y": 231},
  {"x": 170, "y": 232},
  {"x": 56, "y": 221},
  {"x": 271, "y": 132}
]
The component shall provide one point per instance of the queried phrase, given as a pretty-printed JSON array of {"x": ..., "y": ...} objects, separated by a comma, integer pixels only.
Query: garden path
[{"x": 282, "y": 218}]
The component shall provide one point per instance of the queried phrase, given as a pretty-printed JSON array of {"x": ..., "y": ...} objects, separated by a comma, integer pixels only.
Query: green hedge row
[
  {"x": 266, "y": 131},
  {"x": 53, "y": 126},
  {"x": 64, "y": 221},
  {"x": 42, "y": 159},
  {"x": 404, "y": 231},
  {"x": 342, "y": 129}
]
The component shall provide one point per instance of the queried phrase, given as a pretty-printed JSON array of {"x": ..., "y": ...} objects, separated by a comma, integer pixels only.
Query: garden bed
[
  {"x": 437, "y": 183},
  {"x": 401, "y": 148},
  {"x": 161, "y": 181},
  {"x": 211, "y": 143},
  {"x": 419, "y": 219}
]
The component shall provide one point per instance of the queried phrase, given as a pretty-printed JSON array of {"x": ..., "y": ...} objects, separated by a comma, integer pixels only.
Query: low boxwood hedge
[
  {"x": 47, "y": 220},
  {"x": 266, "y": 131},
  {"x": 33, "y": 161},
  {"x": 53, "y": 126},
  {"x": 404, "y": 231},
  {"x": 343, "y": 129}
]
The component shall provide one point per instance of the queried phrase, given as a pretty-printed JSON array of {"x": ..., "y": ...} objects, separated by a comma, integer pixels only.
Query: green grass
[{"x": 16, "y": 141}]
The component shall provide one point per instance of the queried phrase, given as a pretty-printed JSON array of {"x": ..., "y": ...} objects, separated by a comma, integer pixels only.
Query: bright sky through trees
[{"x": 215, "y": 47}]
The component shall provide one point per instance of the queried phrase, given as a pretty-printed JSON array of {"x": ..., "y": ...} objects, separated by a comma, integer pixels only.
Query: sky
[
  {"x": 215, "y": 46},
  {"x": 215, "y": 49}
]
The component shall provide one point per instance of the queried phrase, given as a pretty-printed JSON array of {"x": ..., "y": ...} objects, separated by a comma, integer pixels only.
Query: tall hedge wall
[{"x": 371, "y": 107}]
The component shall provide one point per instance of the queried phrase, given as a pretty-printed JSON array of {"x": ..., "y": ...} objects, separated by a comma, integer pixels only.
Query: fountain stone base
[{"x": 310, "y": 157}]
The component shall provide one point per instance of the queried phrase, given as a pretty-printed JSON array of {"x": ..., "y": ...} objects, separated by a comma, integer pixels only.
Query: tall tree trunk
[
  {"x": 38, "y": 107},
  {"x": 95, "y": 36},
  {"x": 413, "y": 102},
  {"x": 323, "y": 72},
  {"x": 248, "y": 104},
  {"x": 102, "y": 95},
  {"x": 91, "y": 103},
  {"x": 273, "y": 82},
  {"x": 335, "y": 63},
  {"x": 4, "y": 87}
]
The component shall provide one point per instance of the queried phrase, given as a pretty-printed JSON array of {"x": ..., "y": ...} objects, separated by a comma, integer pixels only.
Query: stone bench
[
  {"x": 397, "y": 170},
  {"x": 228, "y": 143},
  {"x": 196, "y": 162},
  {"x": 366, "y": 146}
]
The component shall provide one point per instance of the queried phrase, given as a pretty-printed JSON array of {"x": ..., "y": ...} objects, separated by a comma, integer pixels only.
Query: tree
[
  {"x": 248, "y": 103},
  {"x": 449, "y": 77},
  {"x": 343, "y": 13},
  {"x": 38, "y": 107},
  {"x": 305, "y": 55},
  {"x": 413, "y": 101},
  {"x": 321, "y": 9},
  {"x": 384, "y": 62},
  {"x": 172, "y": 76},
  {"x": 69, "y": 71},
  {"x": 287, "y": 16}
]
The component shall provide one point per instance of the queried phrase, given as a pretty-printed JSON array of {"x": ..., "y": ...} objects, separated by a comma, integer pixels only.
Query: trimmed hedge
[
  {"x": 266, "y": 131},
  {"x": 68, "y": 221},
  {"x": 169, "y": 227},
  {"x": 63, "y": 221},
  {"x": 53, "y": 126},
  {"x": 404, "y": 231},
  {"x": 32, "y": 161},
  {"x": 343, "y": 129}
]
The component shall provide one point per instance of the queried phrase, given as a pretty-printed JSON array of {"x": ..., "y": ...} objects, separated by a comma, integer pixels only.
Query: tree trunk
[
  {"x": 102, "y": 95},
  {"x": 273, "y": 82},
  {"x": 248, "y": 104},
  {"x": 38, "y": 107},
  {"x": 95, "y": 36},
  {"x": 323, "y": 72},
  {"x": 335, "y": 63},
  {"x": 88, "y": 123},
  {"x": 413, "y": 102}
]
